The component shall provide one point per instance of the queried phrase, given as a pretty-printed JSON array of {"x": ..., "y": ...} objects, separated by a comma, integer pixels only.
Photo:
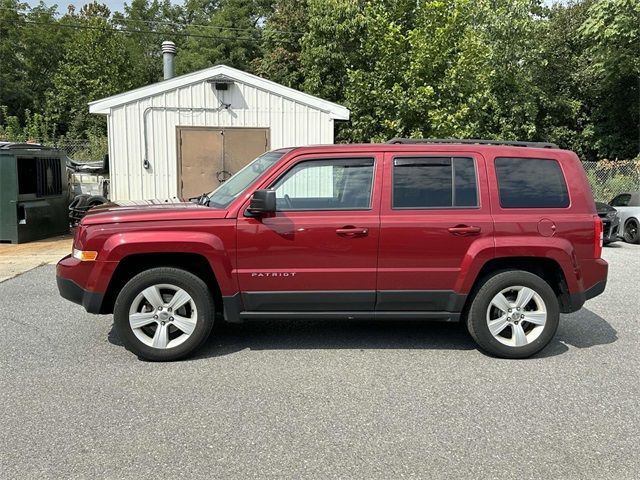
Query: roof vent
[
  {"x": 221, "y": 82},
  {"x": 168, "y": 57}
]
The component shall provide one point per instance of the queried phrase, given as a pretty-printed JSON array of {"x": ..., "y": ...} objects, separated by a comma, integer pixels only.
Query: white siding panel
[{"x": 291, "y": 124}]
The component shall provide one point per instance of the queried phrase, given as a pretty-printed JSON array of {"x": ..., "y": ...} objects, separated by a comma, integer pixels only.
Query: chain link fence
[
  {"x": 92, "y": 150},
  {"x": 609, "y": 178}
]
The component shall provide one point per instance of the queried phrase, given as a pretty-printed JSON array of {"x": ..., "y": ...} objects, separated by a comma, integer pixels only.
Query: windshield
[{"x": 226, "y": 193}]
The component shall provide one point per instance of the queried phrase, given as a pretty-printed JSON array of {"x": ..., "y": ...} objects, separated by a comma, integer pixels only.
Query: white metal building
[{"x": 182, "y": 136}]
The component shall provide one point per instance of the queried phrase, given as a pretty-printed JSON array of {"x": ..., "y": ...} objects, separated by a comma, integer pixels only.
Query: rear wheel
[
  {"x": 164, "y": 314},
  {"x": 631, "y": 231},
  {"x": 514, "y": 314}
]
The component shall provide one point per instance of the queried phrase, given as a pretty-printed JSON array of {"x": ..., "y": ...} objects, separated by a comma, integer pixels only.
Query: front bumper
[
  {"x": 91, "y": 301},
  {"x": 74, "y": 279}
]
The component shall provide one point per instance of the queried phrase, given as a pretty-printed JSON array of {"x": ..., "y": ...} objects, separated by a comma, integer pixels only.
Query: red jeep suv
[{"x": 503, "y": 236}]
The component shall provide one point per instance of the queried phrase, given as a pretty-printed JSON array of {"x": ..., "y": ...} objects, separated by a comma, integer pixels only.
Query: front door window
[{"x": 326, "y": 185}]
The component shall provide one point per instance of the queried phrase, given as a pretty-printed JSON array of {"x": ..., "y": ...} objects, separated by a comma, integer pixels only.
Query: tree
[
  {"x": 94, "y": 66},
  {"x": 613, "y": 35},
  {"x": 512, "y": 69},
  {"x": 12, "y": 93},
  {"x": 144, "y": 49},
  {"x": 223, "y": 32},
  {"x": 44, "y": 49},
  {"x": 424, "y": 72},
  {"x": 563, "y": 113},
  {"x": 282, "y": 43},
  {"x": 331, "y": 46}
]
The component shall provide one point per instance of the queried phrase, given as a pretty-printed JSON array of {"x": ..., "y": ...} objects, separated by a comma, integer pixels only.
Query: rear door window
[
  {"x": 531, "y": 183},
  {"x": 434, "y": 182}
]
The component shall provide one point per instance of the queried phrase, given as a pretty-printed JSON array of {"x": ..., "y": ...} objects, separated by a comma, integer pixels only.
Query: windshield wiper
[{"x": 202, "y": 199}]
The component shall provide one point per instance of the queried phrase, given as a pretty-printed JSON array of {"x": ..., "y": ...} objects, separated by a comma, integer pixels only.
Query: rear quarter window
[{"x": 531, "y": 183}]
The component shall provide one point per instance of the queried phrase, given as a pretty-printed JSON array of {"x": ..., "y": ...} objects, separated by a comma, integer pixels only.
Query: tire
[
  {"x": 96, "y": 200},
  {"x": 515, "y": 287},
  {"x": 631, "y": 231},
  {"x": 164, "y": 334}
]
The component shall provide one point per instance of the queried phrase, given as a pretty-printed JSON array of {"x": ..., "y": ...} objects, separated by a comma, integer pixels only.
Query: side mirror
[{"x": 262, "y": 201}]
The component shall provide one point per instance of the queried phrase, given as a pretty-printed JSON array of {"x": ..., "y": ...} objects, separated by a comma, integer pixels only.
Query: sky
[
  {"x": 114, "y": 5},
  {"x": 118, "y": 5}
]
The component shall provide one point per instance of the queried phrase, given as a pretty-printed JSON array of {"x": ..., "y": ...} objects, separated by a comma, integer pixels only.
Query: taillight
[{"x": 597, "y": 238}]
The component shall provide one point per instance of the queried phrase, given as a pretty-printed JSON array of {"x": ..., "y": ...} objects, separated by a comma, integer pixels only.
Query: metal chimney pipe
[{"x": 168, "y": 56}]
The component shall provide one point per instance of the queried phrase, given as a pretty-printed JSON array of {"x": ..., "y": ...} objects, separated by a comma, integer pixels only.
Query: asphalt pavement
[{"x": 300, "y": 399}]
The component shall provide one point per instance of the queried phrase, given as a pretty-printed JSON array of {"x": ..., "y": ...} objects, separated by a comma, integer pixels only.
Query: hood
[{"x": 149, "y": 210}]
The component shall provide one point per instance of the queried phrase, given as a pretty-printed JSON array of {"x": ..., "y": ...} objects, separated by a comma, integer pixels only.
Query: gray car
[{"x": 628, "y": 206}]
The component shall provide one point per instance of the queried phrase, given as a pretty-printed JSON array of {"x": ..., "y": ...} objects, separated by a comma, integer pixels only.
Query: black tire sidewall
[
  {"x": 626, "y": 236},
  {"x": 476, "y": 319},
  {"x": 189, "y": 282}
]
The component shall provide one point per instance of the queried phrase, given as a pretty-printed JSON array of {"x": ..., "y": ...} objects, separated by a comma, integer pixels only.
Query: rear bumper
[
  {"x": 575, "y": 301},
  {"x": 73, "y": 292},
  {"x": 593, "y": 275}
]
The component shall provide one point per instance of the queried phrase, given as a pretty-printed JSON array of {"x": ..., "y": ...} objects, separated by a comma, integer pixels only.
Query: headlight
[{"x": 611, "y": 215}]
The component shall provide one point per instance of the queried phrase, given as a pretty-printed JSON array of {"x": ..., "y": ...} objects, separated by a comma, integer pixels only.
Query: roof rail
[{"x": 472, "y": 141}]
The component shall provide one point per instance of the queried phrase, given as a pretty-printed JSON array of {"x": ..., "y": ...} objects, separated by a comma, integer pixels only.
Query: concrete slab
[{"x": 17, "y": 259}]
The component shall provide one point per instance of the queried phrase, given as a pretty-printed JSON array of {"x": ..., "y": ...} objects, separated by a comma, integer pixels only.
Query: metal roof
[{"x": 104, "y": 106}]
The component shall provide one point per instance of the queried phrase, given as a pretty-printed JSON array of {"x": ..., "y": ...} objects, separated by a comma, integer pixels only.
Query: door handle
[
  {"x": 350, "y": 231},
  {"x": 464, "y": 230}
]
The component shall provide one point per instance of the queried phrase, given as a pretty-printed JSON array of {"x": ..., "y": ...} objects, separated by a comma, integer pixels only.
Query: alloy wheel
[
  {"x": 516, "y": 316},
  {"x": 163, "y": 316}
]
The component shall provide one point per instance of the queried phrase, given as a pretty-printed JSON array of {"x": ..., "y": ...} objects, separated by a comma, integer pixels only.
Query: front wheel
[
  {"x": 631, "y": 231},
  {"x": 164, "y": 314},
  {"x": 514, "y": 314}
]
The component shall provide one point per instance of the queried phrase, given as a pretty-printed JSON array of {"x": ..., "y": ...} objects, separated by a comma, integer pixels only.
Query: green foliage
[
  {"x": 513, "y": 69},
  {"x": 232, "y": 31},
  {"x": 93, "y": 67},
  {"x": 426, "y": 73},
  {"x": 612, "y": 34},
  {"x": 33, "y": 127},
  {"x": 331, "y": 46},
  {"x": 282, "y": 43},
  {"x": 143, "y": 49}
]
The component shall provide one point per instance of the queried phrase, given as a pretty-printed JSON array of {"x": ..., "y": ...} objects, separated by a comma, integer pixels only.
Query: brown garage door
[{"x": 207, "y": 155}]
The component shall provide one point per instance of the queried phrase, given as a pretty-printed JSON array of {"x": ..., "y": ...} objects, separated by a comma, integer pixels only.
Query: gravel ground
[{"x": 319, "y": 399}]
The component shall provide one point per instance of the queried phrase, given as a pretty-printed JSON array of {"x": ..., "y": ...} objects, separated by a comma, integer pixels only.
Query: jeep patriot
[{"x": 503, "y": 236}]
